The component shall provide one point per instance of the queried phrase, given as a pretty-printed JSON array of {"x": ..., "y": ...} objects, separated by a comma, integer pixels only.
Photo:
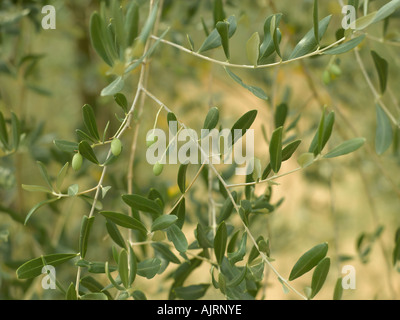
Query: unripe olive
[
  {"x": 326, "y": 77},
  {"x": 158, "y": 168},
  {"x": 116, "y": 147},
  {"x": 335, "y": 69},
  {"x": 77, "y": 161},
  {"x": 151, "y": 139}
]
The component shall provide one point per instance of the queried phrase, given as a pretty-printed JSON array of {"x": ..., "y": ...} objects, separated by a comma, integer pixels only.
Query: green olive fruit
[
  {"x": 116, "y": 147},
  {"x": 151, "y": 139},
  {"x": 77, "y": 161},
  {"x": 326, "y": 77},
  {"x": 158, "y": 168},
  {"x": 335, "y": 69}
]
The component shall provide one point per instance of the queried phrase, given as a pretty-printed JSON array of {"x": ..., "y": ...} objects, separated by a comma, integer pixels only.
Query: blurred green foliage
[{"x": 46, "y": 76}]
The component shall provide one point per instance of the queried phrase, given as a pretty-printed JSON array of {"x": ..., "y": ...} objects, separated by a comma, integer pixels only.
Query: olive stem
[{"x": 319, "y": 51}]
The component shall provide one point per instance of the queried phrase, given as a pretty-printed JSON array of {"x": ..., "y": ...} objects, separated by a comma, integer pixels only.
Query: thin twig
[
  {"x": 145, "y": 74},
  {"x": 319, "y": 51},
  {"x": 265, "y": 180}
]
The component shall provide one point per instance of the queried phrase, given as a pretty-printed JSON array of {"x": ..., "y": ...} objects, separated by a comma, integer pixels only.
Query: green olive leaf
[
  {"x": 220, "y": 242},
  {"x": 214, "y": 40},
  {"x": 178, "y": 238},
  {"x": 243, "y": 124},
  {"x": 87, "y": 152},
  {"x": 223, "y": 30},
  {"x": 275, "y": 149},
  {"x": 89, "y": 120},
  {"x": 115, "y": 234},
  {"x": 384, "y": 131},
  {"x": 308, "y": 43},
  {"x": 319, "y": 276},
  {"x": 253, "y": 48},
  {"x": 182, "y": 177},
  {"x": 33, "y": 268},
  {"x": 86, "y": 226},
  {"x": 140, "y": 203},
  {"x": 148, "y": 268},
  {"x": 163, "y": 222},
  {"x": 125, "y": 221},
  {"x": 192, "y": 292},
  {"x": 308, "y": 260},
  {"x": 382, "y": 68},
  {"x": 346, "y": 147}
]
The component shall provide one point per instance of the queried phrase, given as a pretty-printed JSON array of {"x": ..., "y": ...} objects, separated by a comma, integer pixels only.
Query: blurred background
[{"x": 352, "y": 202}]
